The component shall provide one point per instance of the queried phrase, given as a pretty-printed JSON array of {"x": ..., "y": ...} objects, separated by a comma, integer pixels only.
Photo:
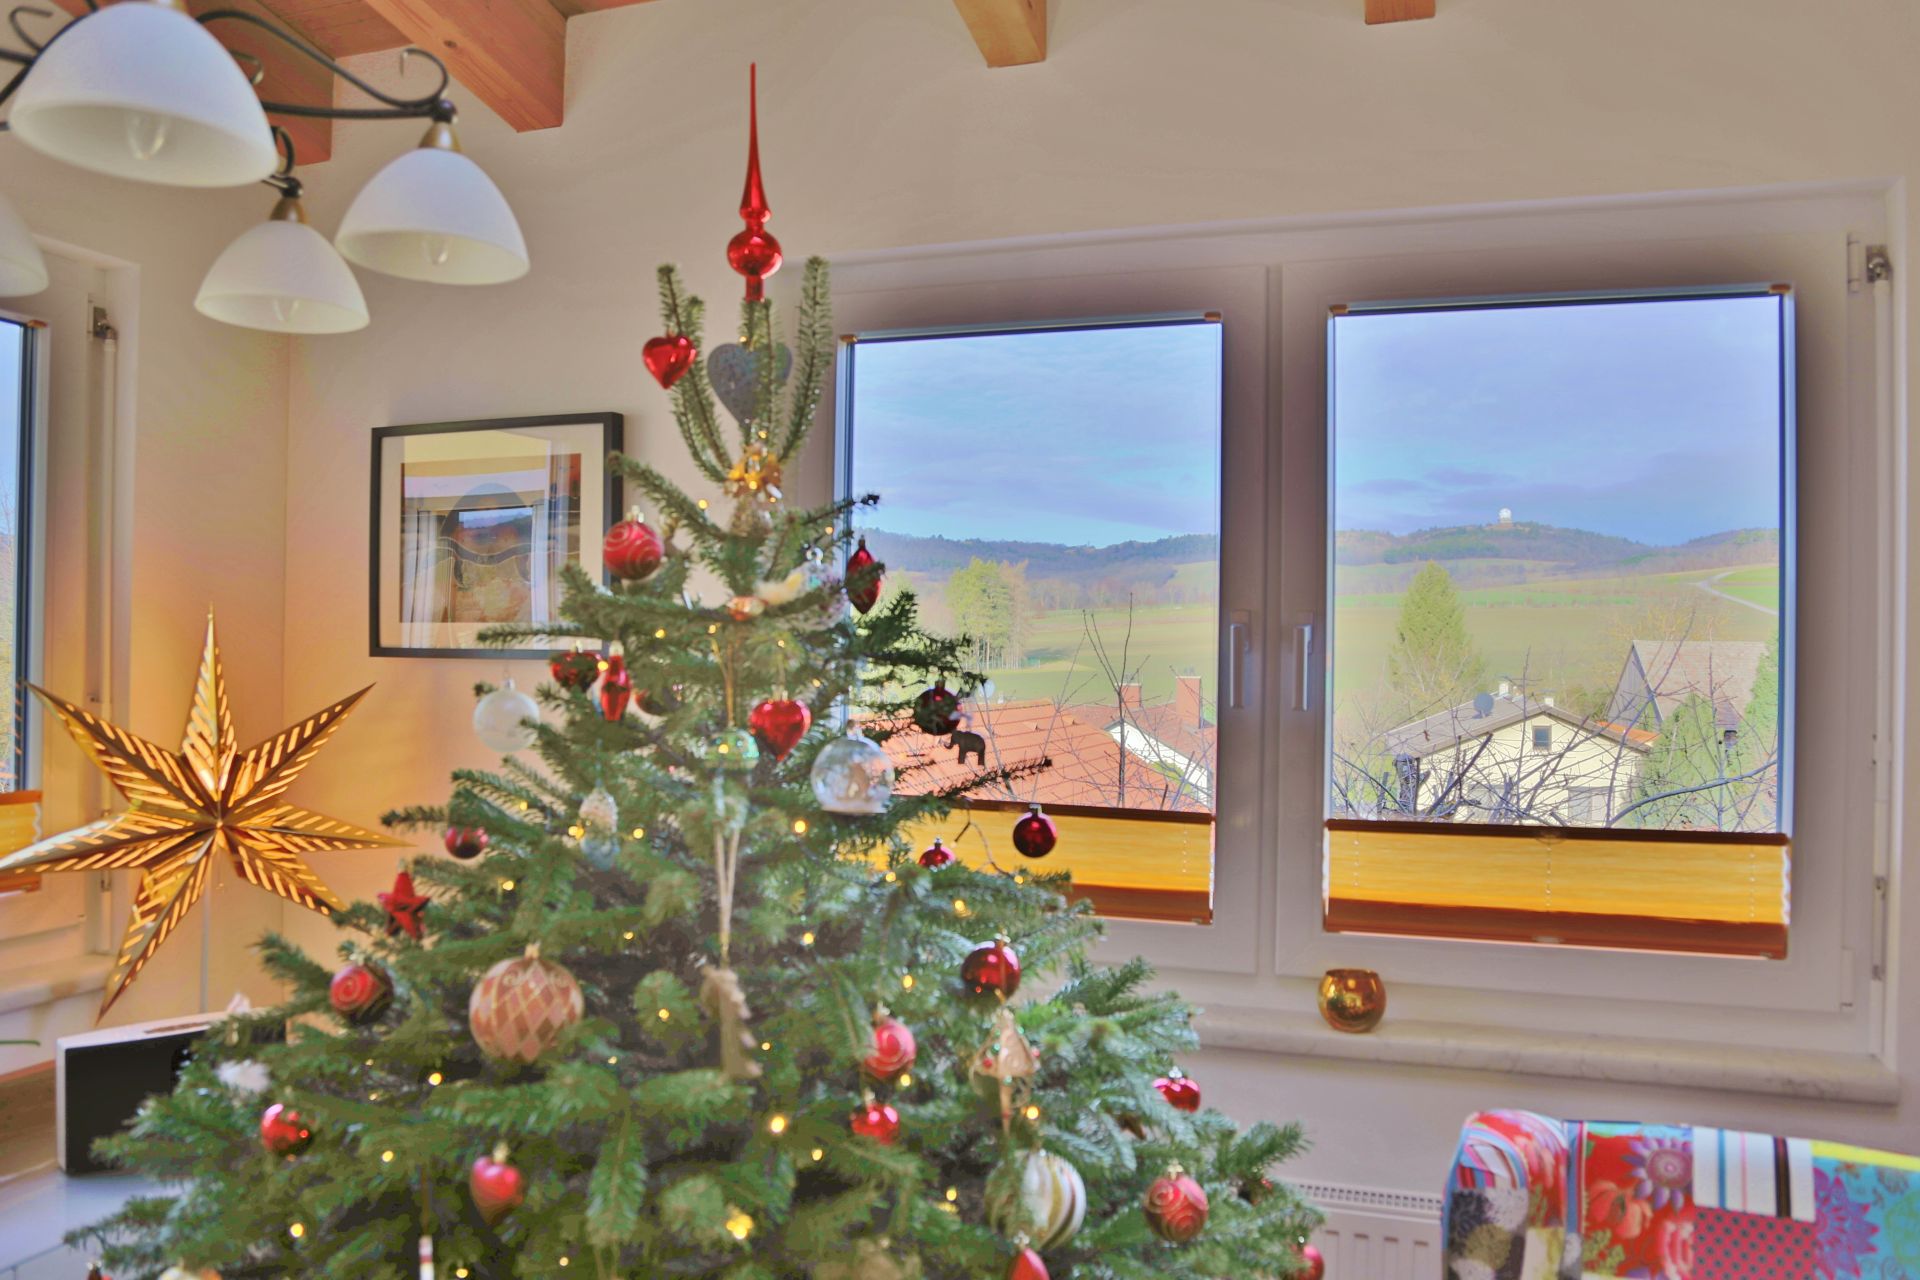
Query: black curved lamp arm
[{"x": 433, "y": 104}]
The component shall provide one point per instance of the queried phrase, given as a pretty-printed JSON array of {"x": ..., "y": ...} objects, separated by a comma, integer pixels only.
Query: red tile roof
[{"x": 1089, "y": 766}]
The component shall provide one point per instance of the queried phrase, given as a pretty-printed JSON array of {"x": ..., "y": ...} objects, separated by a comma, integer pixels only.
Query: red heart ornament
[
  {"x": 779, "y": 724},
  {"x": 668, "y": 358},
  {"x": 497, "y": 1187}
]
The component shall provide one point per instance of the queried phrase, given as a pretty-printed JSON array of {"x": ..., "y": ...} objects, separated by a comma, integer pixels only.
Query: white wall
[
  {"x": 205, "y": 527},
  {"x": 882, "y": 129}
]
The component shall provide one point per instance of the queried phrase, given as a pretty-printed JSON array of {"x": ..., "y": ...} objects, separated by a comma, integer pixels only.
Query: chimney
[
  {"x": 1186, "y": 701},
  {"x": 1129, "y": 694},
  {"x": 1547, "y": 701},
  {"x": 1506, "y": 688}
]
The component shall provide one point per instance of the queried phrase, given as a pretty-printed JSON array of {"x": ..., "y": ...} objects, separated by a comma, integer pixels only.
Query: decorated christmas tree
[{"x": 682, "y": 1002}]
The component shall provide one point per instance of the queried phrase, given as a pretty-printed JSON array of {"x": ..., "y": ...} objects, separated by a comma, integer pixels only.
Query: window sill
[
  {"x": 54, "y": 980},
  {"x": 1794, "y": 1073}
]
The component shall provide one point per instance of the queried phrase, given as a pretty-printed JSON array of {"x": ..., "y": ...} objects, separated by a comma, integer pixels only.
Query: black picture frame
[{"x": 612, "y": 427}]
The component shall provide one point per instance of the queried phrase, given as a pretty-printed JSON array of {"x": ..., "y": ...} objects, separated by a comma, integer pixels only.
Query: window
[
  {"x": 1562, "y": 522},
  {"x": 1054, "y": 494},
  {"x": 18, "y": 349}
]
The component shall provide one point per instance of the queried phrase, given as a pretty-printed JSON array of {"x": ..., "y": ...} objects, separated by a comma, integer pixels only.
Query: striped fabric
[{"x": 1753, "y": 1173}]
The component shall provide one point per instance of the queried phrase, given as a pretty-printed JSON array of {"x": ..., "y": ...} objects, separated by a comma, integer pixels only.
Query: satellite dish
[{"x": 1482, "y": 705}]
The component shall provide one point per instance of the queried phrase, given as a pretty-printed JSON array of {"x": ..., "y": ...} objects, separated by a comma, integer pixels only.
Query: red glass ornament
[
  {"x": 1027, "y": 1265},
  {"x": 358, "y": 993},
  {"x": 991, "y": 967},
  {"x": 497, "y": 1187},
  {"x": 893, "y": 1049},
  {"x": 95, "y": 1273},
  {"x": 283, "y": 1132},
  {"x": 878, "y": 1121},
  {"x": 937, "y": 710},
  {"x": 779, "y": 724},
  {"x": 863, "y": 584},
  {"x": 668, "y": 358},
  {"x": 575, "y": 669},
  {"x": 754, "y": 253},
  {"x": 1181, "y": 1093},
  {"x": 466, "y": 843},
  {"x": 632, "y": 549},
  {"x": 1035, "y": 835},
  {"x": 936, "y": 855},
  {"x": 616, "y": 686},
  {"x": 403, "y": 907},
  {"x": 1176, "y": 1207},
  {"x": 1316, "y": 1266}
]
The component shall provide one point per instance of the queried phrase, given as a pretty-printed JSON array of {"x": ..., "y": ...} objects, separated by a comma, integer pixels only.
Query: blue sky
[
  {"x": 1656, "y": 421},
  {"x": 1073, "y": 436}
]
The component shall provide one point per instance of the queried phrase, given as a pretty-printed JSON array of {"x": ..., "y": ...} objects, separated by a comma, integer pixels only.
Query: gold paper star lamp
[{"x": 188, "y": 807}]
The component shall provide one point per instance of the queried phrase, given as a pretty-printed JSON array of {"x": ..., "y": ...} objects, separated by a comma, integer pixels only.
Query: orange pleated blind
[
  {"x": 19, "y": 827},
  {"x": 1709, "y": 892},
  {"x": 1130, "y": 864}
]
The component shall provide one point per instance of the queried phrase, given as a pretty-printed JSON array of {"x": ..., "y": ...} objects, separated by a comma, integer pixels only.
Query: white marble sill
[
  {"x": 39, "y": 984},
  {"x": 1796, "y": 1073}
]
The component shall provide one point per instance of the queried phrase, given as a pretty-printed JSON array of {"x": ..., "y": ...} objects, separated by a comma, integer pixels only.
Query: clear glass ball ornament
[
  {"x": 853, "y": 776},
  {"x": 501, "y": 719},
  {"x": 600, "y": 828}
]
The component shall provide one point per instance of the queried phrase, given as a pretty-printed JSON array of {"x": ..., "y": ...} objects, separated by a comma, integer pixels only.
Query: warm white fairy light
[
  {"x": 776, "y": 1124},
  {"x": 806, "y": 939},
  {"x": 506, "y": 886},
  {"x": 665, "y": 1015},
  {"x": 799, "y": 826},
  {"x": 386, "y": 1157},
  {"x": 628, "y": 935},
  {"x": 906, "y": 1079},
  {"x": 890, "y": 877},
  {"x": 817, "y": 1155},
  {"x": 1032, "y": 1112},
  {"x": 906, "y": 981},
  {"x": 297, "y": 1229},
  {"x": 639, "y": 833},
  {"x": 435, "y": 1078}
]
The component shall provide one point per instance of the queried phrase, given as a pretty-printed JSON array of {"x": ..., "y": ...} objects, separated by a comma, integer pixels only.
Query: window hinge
[
  {"x": 1867, "y": 264},
  {"x": 101, "y": 327},
  {"x": 1879, "y": 928}
]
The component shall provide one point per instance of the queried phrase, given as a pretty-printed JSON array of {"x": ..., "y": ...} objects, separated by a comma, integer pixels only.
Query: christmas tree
[{"x": 682, "y": 1002}]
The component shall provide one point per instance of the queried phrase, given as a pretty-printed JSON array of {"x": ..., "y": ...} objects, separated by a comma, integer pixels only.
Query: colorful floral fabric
[{"x": 1532, "y": 1198}]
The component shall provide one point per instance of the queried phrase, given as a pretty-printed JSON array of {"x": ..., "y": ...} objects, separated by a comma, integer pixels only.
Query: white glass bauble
[
  {"x": 599, "y": 824},
  {"x": 503, "y": 719},
  {"x": 818, "y": 576},
  {"x": 853, "y": 775}
]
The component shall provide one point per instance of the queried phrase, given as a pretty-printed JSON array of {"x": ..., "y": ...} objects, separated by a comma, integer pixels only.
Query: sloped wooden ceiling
[{"x": 512, "y": 54}]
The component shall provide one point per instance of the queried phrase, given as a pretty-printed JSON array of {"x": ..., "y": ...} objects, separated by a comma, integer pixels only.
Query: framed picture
[{"x": 472, "y": 523}]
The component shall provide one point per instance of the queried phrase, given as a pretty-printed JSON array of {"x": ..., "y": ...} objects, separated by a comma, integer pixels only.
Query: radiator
[{"x": 1376, "y": 1234}]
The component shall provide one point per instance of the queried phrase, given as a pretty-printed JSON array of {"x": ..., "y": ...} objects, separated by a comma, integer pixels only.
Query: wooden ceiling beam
[
  {"x": 285, "y": 76},
  {"x": 1010, "y": 33},
  {"x": 1398, "y": 10},
  {"x": 340, "y": 28},
  {"x": 511, "y": 54}
]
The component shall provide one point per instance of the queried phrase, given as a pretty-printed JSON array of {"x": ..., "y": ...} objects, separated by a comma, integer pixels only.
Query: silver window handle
[
  {"x": 1303, "y": 669},
  {"x": 1239, "y": 632}
]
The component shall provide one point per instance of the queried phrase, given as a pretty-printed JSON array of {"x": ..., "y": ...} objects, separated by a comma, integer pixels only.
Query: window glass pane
[
  {"x": 1558, "y": 571},
  {"x": 1054, "y": 494},
  {"x": 15, "y": 420}
]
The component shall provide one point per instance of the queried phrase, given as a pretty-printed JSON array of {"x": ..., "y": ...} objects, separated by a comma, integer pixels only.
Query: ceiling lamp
[
  {"x": 22, "y": 269},
  {"x": 141, "y": 90},
  {"x": 433, "y": 215},
  {"x": 283, "y": 276}
]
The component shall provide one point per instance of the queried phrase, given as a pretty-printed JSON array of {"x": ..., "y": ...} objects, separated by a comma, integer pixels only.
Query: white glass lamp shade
[
  {"x": 140, "y": 90},
  {"x": 282, "y": 276},
  {"x": 433, "y": 215},
  {"x": 22, "y": 269}
]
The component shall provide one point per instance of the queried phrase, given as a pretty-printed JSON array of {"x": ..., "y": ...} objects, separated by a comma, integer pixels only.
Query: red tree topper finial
[{"x": 754, "y": 253}]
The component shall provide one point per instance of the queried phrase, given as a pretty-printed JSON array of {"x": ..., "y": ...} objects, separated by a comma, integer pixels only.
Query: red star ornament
[{"x": 403, "y": 907}]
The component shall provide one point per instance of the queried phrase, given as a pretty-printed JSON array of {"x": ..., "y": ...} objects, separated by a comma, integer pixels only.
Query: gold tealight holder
[{"x": 1352, "y": 1000}]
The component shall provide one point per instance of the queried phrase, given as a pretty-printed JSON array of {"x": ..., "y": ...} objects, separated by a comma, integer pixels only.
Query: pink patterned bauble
[
  {"x": 1176, "y": 1207},
  {"x": 521, "y": 1006},
  {"x": 893, "y": 1049}
]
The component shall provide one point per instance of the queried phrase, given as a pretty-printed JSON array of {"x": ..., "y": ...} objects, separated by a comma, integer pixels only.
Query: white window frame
[{"x": 1274, "y": 283}]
